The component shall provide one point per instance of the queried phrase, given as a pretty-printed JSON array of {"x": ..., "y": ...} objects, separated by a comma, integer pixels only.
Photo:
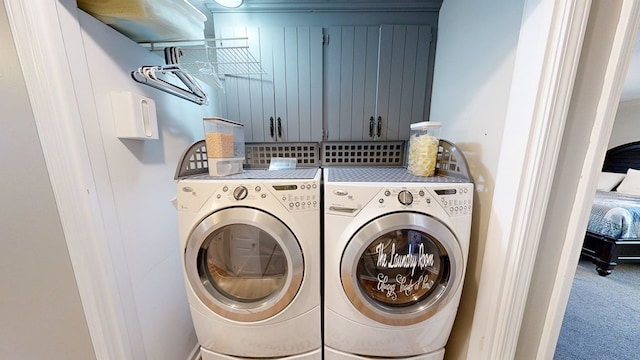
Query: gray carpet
[{"x": 602, "y": 320}]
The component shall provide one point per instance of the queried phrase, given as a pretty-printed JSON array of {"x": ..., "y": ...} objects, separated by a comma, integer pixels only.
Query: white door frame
[
  {"x": 546, "y": 62},
  {"x": 608, "y": 99},
  {"x": 536, "y": 117},
  {"x": 549, "y": 44},
  {"x": 39, "y": 29}
]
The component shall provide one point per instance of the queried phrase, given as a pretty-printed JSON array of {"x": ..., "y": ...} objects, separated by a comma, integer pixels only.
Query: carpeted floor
[{"x": 602, "y": 320}]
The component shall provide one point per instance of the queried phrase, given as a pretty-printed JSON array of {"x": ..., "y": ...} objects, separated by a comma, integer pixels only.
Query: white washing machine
[
  {"x": 252, "y": 266},
  {"x": 395, "y": 248}
]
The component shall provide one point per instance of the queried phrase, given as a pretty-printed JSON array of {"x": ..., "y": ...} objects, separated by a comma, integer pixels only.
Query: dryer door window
[
  {"x": 244, "y": 264},
  {"x": 401, "y": 268}
]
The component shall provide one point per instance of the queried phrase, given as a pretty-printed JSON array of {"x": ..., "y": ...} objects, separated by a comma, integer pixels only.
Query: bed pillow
[
  {"x": 609, "y": 180},
  {"x": 631, "y": 183}
]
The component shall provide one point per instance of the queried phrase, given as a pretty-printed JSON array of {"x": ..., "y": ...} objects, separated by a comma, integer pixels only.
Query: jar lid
[
  {"x": 425, "y": 124},
  {"x": 235, "y": 123}
]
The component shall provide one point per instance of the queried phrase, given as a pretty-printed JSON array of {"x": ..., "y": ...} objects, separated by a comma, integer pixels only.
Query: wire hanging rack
[{"x": 209, "y": 61}]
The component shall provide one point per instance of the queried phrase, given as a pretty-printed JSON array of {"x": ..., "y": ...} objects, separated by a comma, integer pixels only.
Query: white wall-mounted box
[{"x": 134, "y": 116}]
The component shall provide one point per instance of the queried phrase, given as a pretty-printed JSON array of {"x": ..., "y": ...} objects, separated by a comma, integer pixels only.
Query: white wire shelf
[{"x": 209, "y": 61}]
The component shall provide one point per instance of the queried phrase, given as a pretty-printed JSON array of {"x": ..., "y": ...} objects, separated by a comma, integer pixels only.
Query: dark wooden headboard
[{"x": 622, "y": 157}]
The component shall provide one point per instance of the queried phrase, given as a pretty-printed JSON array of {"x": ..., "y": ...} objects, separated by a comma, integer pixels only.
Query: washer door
[
  {"x": 401, "y": 268},
  {"x": 244, "y": 264}
]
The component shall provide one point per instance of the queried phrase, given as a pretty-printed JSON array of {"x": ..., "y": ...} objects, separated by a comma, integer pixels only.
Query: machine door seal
[
  {"x": 244, "y": 264},
  {"x": 401, "y": 268}
]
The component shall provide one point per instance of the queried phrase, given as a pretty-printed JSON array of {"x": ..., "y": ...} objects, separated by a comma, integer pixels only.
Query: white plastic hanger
[{"x": 154, "y": 76}]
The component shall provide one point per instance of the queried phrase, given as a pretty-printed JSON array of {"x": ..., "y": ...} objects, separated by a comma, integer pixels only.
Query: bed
[{"x": 613, "y": 232}]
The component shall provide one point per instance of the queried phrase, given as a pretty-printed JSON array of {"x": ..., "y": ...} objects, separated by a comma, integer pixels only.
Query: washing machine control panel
[
  {"x": 298, "y": 196},
  {"x": 405, "y": 196},
  {"x": 456, "y": 201}
]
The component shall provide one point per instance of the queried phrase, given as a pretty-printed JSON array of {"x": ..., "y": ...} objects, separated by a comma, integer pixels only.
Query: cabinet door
[
  {"x": 403, "y": 73},
  {"x": 377, "y": 81},
  {"x": 284, "y": 103},
  {"x": 351, "y": 80}
]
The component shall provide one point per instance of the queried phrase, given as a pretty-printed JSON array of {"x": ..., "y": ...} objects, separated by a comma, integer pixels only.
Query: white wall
[
  {"x": 475, "y": 56},
  {"x": 40, "y": 310},
  {"x": 631, "y": 88},
  {"x": 627, "y": 126},
  {"x": 135, "y": 184},
  {"x": 125, "y": 240}
]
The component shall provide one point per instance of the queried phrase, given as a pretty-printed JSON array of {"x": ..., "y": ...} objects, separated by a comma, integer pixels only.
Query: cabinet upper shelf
[
  {"x": 149, "y": 20},
  {"x": 159, "y": 24}
]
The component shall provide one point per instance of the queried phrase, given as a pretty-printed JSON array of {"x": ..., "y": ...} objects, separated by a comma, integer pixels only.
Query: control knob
[
  {"x": 405, "y": 197},
  {"x": 240, "y": 193}
]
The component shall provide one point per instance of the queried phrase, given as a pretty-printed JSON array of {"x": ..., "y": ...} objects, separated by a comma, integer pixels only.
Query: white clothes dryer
[
  {"x": 395, "y": 248},
  {"x": 251, "y": 244}
]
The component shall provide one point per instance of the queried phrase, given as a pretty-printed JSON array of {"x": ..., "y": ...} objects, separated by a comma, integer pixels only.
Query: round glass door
[
  {"x": 401, "y": 268},
  {"x": 244, "y": 264}
]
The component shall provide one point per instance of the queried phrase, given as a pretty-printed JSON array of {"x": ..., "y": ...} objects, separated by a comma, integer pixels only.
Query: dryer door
[
  {"x": 401, "y": 268},
  {"x": 244, "y": 264}
]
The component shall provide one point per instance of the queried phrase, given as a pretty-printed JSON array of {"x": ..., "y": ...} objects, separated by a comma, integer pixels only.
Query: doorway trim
[
  {"x": 546, "y": 64},
  {"x": 38, "y": 29},
  {"x": 608, "y": 99}
]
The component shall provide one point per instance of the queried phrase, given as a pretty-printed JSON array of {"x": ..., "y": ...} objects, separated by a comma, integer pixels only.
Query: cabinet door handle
[
  {"x": 271, "y": 126},
  {"x": 379, "y": 126},
  {"x": 279, "y": 127},
  {"x": 371, "y": 125}
]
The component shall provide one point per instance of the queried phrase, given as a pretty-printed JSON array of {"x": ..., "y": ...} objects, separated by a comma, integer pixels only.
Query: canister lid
[
  {"x": 425, "y": 125},
  {"x": 222, "y": 120}
]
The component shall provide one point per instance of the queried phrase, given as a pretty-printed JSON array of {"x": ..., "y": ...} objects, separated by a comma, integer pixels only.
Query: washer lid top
[
  {"x": 382, "y": 174},
  {"x": 401, "y": 268}
]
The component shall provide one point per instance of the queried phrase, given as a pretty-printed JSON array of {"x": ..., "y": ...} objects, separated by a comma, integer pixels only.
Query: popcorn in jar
[
  {"x": 423, "y": 148},
  {"x": 224, "y": 142}
]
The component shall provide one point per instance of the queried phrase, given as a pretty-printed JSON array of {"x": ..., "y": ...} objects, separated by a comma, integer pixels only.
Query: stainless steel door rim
[
  {"x": 220, "y": 302},
  {"x": 413, "y": 310}
]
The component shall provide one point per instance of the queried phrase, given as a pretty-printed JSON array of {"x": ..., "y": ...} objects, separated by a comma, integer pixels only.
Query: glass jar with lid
[{"x": 423, "y": 148}]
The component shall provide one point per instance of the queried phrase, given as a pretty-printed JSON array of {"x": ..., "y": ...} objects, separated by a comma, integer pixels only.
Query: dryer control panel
[
  {"x": 298, "y": 196},
  {"x": 294, "y": 196}
]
